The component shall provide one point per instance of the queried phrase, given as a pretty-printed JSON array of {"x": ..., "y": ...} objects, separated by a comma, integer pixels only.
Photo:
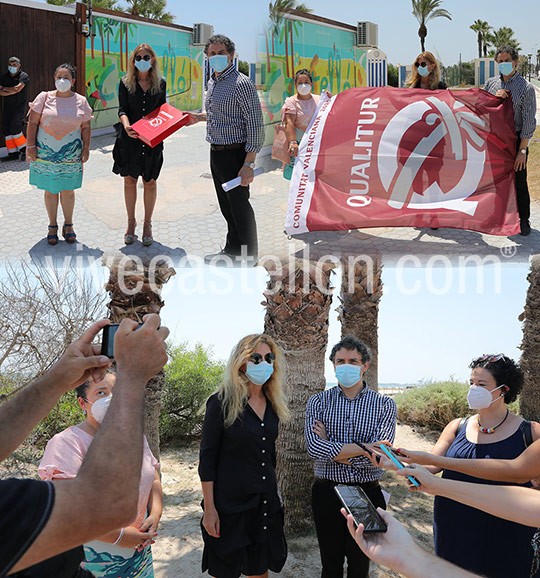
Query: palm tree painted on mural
[
  {"x": 108, "y": 29},
  {"x": 482, "y": 28},
  {"x": 122, "y": 31},
  {"x": 284, "y": 27},
  {"x": 425, "y": 10}
]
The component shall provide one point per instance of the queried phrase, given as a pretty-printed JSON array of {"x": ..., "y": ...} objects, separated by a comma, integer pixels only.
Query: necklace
[{"x": 490, "y": 430}]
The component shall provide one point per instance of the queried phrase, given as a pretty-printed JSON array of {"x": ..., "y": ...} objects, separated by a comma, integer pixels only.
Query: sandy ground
[{"x": 178, "y": 548}]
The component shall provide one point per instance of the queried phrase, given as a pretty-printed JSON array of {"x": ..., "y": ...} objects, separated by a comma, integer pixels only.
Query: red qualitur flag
[{"x": 394, "y": 157}]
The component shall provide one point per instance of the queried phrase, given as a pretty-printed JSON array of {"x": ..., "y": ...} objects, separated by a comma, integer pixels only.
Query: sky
[
  {"x": 432, "y": 321},
  {"x": 242, "y": 20}
]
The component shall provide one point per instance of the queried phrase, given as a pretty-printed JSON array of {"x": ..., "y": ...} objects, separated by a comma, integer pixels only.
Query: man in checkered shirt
[
  {"x": 235, "y": 133},
  {"x": 509, "y": 82},
  {"x": 336, "y": 420}
]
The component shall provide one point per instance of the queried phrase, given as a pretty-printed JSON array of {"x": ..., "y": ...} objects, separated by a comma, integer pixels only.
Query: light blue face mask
[
  {"x": 423, "y": 71},
  {"x": 259, "y": 373},
  {"x": 143, "y": 65},
  {"x": 219, "y": 62},
  {"x": 348, "y": 375},
  {"x": 505, "y": 68},
  {"x": 13, "y": 69}
]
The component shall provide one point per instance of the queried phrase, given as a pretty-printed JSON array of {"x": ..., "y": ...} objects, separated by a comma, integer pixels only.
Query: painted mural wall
[
  {"x": 106, "y": 60},
  {"x": 330, "y": 54}
]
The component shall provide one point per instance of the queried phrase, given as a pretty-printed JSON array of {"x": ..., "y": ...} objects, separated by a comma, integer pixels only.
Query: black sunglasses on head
[
  {"x": 257, "y": 358},
  {"x": 423, "y": 63},
  {"x": 146, "y": 57}
]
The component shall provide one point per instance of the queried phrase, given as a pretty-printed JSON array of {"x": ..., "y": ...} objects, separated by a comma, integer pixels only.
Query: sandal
[
  {"x": 148, "y": 240},
  {"x": 52, "y": 239},
  {"x": 129, "y": 237},
  {"x": 69, "y": 237}
]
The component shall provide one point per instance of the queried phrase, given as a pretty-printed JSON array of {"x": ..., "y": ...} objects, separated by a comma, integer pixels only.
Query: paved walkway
[{"x": 188, "y": 223}]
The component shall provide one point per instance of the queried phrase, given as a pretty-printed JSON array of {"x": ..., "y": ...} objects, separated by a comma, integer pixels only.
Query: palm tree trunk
[
  {"x": 121, "y": 48},
  {"x": 268, "y": 53},
  {"x": 361, "y": 291},
  {"x": 422, "y": 32},
  {"x": 292, "y": 55},
  {"x": 297, "y": 307},
  {"x": 529, "y": 400},
  {"x": 127, "y": 50},
  {"x": 479, "y": 44},
  {"x": 134, "y": 294},
  {"x": 286, "y": 49},
  {"x": 102, "y": 48}
]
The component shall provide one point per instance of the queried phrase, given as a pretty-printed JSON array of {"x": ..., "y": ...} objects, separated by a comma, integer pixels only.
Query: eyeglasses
[
  {"x": 257, "y": 358},
  {"x": 491, "y": 358},
  {"x": 146, "y": 57},
  {"x": 423, "y": 63}
]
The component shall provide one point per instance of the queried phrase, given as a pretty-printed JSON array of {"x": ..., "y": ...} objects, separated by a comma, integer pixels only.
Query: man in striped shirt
[
  {"x": 509, "y": 82},
  {"x": 235, "y": 133},
  {"x": 336, "y": 420}
]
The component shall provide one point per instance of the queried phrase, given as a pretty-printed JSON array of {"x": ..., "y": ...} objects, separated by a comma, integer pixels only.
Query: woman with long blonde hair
[
  {"x": 242, "y": 525},
  {"x": 426, "y": 73},
  {"x": 141, "y": 90}
]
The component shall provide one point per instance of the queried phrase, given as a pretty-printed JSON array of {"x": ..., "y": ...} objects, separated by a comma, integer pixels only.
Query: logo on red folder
[{"x": 161, "y": 118}]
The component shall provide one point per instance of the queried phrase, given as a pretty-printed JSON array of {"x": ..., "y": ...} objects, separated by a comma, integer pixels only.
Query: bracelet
[
  {"x": 293, "y": 142},
  {"x": 120, "y": 536},
  {"x": 30, "y": 146}
]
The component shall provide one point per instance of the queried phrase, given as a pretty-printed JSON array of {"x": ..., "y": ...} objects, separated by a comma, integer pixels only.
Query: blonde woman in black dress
[
  {"x": 242, "y": 524},
  {"x": 141, "y": 90}
]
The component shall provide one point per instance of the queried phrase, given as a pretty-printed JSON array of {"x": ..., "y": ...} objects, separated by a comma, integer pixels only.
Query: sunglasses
[
  {"x": 490, "y": 358},
  {"x": 257, "y": 358},
  {"x": 146, "y": 57},
  {"x": 423, "y": 63}
]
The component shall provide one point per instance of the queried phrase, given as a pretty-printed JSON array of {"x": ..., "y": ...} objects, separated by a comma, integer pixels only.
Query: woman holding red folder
[{"x": 141, "y": 90}]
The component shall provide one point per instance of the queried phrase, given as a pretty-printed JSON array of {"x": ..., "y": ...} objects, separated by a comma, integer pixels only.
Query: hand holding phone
[
  {"x": 107, "y": 341},
  {"x": 360, "y": 507},
  {"x": 389, "y": 452}
]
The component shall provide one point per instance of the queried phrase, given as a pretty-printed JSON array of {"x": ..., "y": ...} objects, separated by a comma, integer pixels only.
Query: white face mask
[
  {"x": 99, "y": 407},
  {"x": 304, "y": 89},
  {"x": 62, "y": 84},
  {"x": 480, "y": 398}
]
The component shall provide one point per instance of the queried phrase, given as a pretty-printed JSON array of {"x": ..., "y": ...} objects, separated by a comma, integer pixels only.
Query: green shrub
[
  {"x": 436, "y": 404},
  {"x": 190, "y": 377}
]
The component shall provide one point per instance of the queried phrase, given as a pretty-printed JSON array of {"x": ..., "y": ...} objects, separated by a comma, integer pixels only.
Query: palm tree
[
  {"x": 297, "y": 306},
  {"x": 482, "y": 29},
  {"x": 126, "y": 276},
  {"x": 529, "y": 400},
  {"x": 361, "y": 292},
  {"x": 154, "y": 9},
  {"x": 504, "y": 36},
  {"x": 425, "y": 10}
]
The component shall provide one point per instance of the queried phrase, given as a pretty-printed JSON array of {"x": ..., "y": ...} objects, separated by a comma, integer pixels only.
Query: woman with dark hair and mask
[
  {"x": 297, "y": 112},
  {"x": 58, "y": 145},
  {"x": 242, "y": 525},
  {"x": 426, "y": 73},
  {"x": 126, "y": 551},
  {"x": 477, "y": 541}
]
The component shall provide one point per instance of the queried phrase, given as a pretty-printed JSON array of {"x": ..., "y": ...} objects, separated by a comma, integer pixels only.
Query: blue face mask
[
  {"x": 348, "y": 375},
  {"x": 143, "y": 65},
  {"x": 219, "y": 62},
  {"x": 259, "y": 373},
  {"x": 13, "y": 69},
  {"x": 423, "y": 71},
  {"x": 505, "y": 68}
]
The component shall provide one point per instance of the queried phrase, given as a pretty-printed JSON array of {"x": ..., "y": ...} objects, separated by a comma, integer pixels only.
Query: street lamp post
[{"x": 529, "y": 56}]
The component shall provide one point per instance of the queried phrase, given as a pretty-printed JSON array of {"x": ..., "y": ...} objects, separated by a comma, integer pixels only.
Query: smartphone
[
  {"x": 356, "y": 502},
  {"x": 393, "y": 457},
  {"x": 107, "y": 341}
]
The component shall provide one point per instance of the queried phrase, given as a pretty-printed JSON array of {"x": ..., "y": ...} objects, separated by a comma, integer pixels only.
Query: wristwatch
[
  {"x": 523, "y": 151},
  {"x": 250, "y": 165}
]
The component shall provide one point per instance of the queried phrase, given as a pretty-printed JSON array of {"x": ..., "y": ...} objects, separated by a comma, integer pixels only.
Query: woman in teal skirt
[{"x": 58, "y": 145}]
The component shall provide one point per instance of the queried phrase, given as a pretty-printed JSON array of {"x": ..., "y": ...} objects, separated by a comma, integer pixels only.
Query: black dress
[
  {"x": 241, "y": 460},
  {"x": 131, "y": 156}
]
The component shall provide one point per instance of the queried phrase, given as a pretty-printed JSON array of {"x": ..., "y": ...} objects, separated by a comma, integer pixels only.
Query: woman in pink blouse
[
  {"x": 58, "y": 145},
  {"x": 126, "y": 551},
  {"x": 297, "y": 112}
]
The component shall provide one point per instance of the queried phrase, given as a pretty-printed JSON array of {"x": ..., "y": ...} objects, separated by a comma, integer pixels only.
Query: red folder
[{"x": 159, "y": 124}]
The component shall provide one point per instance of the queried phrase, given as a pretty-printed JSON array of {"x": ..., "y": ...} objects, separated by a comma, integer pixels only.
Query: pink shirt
[
  {"x": 61, "y": 116},
  {"x": 65, "y": 453},
  {"x": 302, "y": 110}
]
